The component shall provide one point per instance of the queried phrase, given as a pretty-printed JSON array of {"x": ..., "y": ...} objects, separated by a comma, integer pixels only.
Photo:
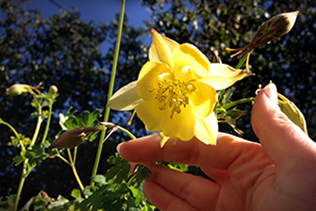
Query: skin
[{"x": 278, "y": 174}]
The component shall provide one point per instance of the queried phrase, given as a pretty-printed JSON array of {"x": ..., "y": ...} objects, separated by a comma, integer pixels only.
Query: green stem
[
  {"x": 26, "y": 168},
  {"x": 74, "y": 170},
  {"x": 241, "y": 62},
  {"x": 38, "y": 126},
  {"x": 21, "y": 184},
  {"x": 126, "y": 132},
  {"x": 50, "y": 107},
  {"x": 110, "y": 91},
  {"x": 11, "y": 128},
  {"x": 63, "y": 159},
  {"x": 232, "y": 104}
]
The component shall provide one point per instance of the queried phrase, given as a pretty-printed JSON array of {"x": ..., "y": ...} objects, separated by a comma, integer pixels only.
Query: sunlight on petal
[
  {"x": 206, "y": 130},
  {"x": 189, "y": 55},
  {"x": 150, "y": 114},
  {"x": 222, "y": 76},
  {"x": 161, "y": 48},
  {"x": 203, "y": 99},
  {"x": 181, "y": 125},
  {"x": 125, "y": 98}
]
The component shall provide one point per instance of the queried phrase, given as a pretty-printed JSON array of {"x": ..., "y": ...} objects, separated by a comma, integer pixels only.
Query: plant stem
[
  {"x": 74, "y": 170},
  {"x": 11, "y": 128},
  {"x": 21, "y": 184},
  {"x": 241, "y": 62},
  {"x": 110, "y": 91},
  {"x": 38, "y": 126},
  {"x": 234, "y": 103},
  {"x": 126, "y": 132},
  {"x": 50, "y": 106},
  {"x": 26, "y": 168}
]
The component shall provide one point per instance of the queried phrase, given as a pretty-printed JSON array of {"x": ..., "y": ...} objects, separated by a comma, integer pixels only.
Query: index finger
[{"x": 228, "y": 149}]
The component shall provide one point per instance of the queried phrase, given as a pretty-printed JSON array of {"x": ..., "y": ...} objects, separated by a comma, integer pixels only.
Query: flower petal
[
  {"x": 161, "y": 48},
  {"x": 125, "y": 98},
  {"x": 189, "y": 55},
  {"x": 180, "y": 126},
  {"x": 203, "y": 99},
  {"x": 149, "y": 77},
  {"x": 206, "y": 130},
  {"x": 163, "y": 139},
  {"x": 222, "y": 76}
]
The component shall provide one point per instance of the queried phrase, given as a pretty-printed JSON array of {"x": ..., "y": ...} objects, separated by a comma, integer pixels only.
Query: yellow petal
[
  {"x": 161, "y": 48},
  {"x": 149, "y": 77},
  {"x": 125, "y": 98},
  {"x": 206, "y": 130},
  {"x": 189, "y": 55},
  {"x": 203, "y": 98},
  {"x": 163, "y": 139},
  {"x": 180, "y": 126},
  {"x": 222, "y": 76}
]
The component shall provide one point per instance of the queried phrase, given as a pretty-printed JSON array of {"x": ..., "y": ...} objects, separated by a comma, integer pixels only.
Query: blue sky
[{"x": 97, "y": 10}]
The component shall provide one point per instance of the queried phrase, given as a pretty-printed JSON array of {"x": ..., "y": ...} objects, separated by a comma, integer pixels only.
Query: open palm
[{"x": 277, "y": 175}]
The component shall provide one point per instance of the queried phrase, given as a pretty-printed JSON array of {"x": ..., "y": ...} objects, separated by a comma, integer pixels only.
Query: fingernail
[{"x": 271, "y": 92}]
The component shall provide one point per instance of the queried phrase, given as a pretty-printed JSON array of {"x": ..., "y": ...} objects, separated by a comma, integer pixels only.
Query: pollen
[{"x": 172, "y": 94}]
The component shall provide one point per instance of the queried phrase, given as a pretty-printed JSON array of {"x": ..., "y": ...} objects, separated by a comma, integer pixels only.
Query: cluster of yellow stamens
[{"x": 172, "y": 94}]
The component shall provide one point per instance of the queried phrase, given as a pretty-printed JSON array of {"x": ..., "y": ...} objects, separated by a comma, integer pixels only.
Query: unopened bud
[
  {"x": 52, "y": 93},
  {"x": 18, "y": 89},
  {"x": 280, "y": 24},
  {"x": 74, "y": 137},
  {"x": 292, "y": 112}
]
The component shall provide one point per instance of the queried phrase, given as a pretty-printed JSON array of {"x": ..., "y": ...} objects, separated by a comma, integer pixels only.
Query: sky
[{"x": 97, "y": 10}]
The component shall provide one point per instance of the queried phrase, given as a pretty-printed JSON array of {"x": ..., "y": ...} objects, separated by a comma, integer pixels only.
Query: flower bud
[
  {"x": 280, "y": 24},
  {"x": 292, "y": 112},
  {"x": 74, "y": 137},
  {"x": 52, "y": 93},
  {"x": 18, "y": 89}
]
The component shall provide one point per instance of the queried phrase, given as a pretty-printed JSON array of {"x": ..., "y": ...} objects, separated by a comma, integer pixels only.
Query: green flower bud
[
  {"x": 74, "y": 137},
  {"x": 18, "y": 89},
  {"x": 52, "y": 93},
  {"x": 292, "y": 112}
]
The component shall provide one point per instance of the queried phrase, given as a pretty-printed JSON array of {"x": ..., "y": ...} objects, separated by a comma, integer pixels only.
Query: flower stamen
[{"x": 172, "y": 94}]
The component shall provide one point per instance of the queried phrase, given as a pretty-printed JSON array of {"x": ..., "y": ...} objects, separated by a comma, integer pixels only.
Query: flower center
[{"x": 173, "y": 94}]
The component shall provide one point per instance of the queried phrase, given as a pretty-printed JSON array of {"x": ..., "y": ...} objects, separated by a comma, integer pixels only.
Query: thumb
[{"x": 280, "y": 138}]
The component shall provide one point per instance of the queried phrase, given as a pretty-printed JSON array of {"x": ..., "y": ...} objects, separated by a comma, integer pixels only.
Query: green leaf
[
  {"x": 94, "y": 116},
  {"x": 120, "y": 171},
  {"x": 141, "y": 172},
  {"x": 99, "y": 180},
  {"x": 35, "y": 155},
  {"x": 76, "y": 193},
  {"x": 18, "y": 159}
]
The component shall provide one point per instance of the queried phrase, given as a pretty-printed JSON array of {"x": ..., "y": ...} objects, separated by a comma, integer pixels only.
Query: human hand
[{"x": 277, "y": 175}]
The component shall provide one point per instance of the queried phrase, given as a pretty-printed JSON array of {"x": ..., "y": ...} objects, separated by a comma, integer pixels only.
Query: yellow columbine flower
[{"x": 176, "y": 91}]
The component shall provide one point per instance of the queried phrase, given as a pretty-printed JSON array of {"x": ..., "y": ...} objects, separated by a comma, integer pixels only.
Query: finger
[
  {"x": 280, "y": 138},
  {"x": 228, "y": 149},
  {"x": 163, "y": 199},
  {"x": 198, "y": 192}
]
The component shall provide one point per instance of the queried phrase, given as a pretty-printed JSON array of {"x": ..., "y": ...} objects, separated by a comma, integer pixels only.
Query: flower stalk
[{"x": 110, "y": 91}]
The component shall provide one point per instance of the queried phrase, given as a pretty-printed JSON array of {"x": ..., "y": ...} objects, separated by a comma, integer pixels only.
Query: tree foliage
[{"x": 64, "y": 51}]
